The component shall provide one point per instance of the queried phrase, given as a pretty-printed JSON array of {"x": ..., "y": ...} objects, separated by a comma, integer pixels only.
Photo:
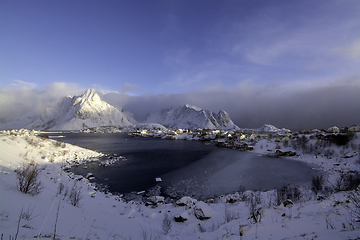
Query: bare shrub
[
  {"x": 75, "y": 195},
  {"x": 60, "y": 188},
  {"x": 348, "y": 181},
  {"x": 241, "y": 191},
  {"x": 287, "y": 193},
  {"x": 59, "y": 143},
  {"x": 230, "y": 215},
  {"x": 253, "y": 200},
  {"x": 166, "y": 224},
  {"x": 355, "y": 199},
  {"x": 147, "y": 234},
  {"x": 317, "y": 184},
  {"x": 27, "y": 177},
  {"x": 28, "y": 214}
]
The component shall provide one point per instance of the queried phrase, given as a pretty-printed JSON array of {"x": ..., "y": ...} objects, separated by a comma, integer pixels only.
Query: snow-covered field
[{"x": 105, "y": 216}]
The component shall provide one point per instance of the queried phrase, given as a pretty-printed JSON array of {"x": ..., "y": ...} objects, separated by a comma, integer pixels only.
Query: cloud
[
  {"x": 351, "y": 51},
  {"x": 22, "y": 98},
  {"x": 249, "y": 104},
  {"x": 128, "y": 87},
  {"x": 23, "y": 84},
  {"x": 296, "y": 33},
  {"x": 175, "y": 58}
]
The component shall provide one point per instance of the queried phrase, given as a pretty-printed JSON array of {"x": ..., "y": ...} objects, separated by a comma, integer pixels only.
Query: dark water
[
  {"x": 186, "y": 167},
  {"x": 146, "y": 158}
]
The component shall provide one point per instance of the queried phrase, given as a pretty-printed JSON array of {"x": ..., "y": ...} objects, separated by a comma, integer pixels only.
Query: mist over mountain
[
  {"x": 88, "y": 110},
  {"x": 84, "y": 111},
  {"x": 250, "y": 106}
]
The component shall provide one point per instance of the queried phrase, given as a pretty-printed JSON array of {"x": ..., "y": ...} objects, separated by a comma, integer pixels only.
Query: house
[
  {"x": 179, "y": 131},
  {"x": 333, "y": 129},
  {"x": 354, "y": 128}
]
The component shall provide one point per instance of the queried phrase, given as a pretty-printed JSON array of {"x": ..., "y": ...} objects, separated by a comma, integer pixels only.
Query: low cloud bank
[{"x": 249, "y": 106}]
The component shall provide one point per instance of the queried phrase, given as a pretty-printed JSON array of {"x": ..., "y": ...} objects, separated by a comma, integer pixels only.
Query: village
[{"x": 246, "y": 139}]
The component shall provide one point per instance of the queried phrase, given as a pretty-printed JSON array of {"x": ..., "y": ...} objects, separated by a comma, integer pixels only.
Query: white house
[{"x": 334, "y": 129}]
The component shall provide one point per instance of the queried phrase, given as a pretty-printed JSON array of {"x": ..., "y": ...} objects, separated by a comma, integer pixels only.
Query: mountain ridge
[
  {"x": 87, "y": 110},
  {"x": 191, "y": 117},
  {"x": 84, "y": 111}
]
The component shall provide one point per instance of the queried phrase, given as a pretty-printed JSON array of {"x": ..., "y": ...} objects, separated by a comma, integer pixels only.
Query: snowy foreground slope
[
  {"x": 104, "y": 216},
  {"x": 84, "y": 111},
  {"x": 191, "y": 117}
]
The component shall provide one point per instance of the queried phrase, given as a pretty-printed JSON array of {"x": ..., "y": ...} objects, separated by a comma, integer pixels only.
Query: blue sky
[{"x": 177, "y": 47}]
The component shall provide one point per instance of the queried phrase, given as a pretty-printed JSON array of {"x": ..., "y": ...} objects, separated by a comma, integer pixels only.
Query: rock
[
  {"x": 320, "y": 198},
  {"x": 202, "y": 211},
  {"x": 89, "y": 175},
  {"x": 179, "y": 218},
  {"x": 288, "y": 203},
  {"x": 155, "y": 200},
  {"x": 232, "y": 198},
  {"x": 185, "y": 201},
  {"x": 184, "y": 216}
]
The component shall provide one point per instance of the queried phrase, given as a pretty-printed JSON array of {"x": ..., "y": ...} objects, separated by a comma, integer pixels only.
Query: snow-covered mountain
[
  {"x": 84, "y": 111},
  {"x": 267, "y": 128},
  {"x": 191, "y": 117}
]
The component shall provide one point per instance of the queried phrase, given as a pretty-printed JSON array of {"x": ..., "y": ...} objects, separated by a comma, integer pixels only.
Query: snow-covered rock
[
  {"x": 154, "y": 200},
  {"x": 202, "y": 211},
  {"x": 182, "y": 217},
  {"x": 185, "y": 201},
  {"x": 191, "y": 117},
  {"x": 84, "y": 111}
]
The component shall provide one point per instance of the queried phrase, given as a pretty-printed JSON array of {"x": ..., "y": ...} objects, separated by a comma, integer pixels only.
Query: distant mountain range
[
  {"x": 191, "y": 117},
  {"x": 88, "y": 110}
]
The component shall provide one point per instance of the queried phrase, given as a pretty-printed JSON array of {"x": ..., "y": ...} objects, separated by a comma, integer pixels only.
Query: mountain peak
[
  {"x": 191, "y": 117},
  {"x": 193, "y": 107},
  {"x": 77, "y": 112},
  {"x": 89, "y": 95}
]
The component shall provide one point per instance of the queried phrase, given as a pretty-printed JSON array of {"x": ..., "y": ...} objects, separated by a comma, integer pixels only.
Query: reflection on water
[
  {"x": 225, "y": 171},
  {"x": 186, "y": 167}
]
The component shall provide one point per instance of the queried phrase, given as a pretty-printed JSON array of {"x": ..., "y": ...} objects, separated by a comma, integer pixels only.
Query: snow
[
  {"x": 191, "y": 117},
  {"x": 268, "y": 128},
  {"x": 149, "y": 126},
  {"x": 106, "y": 216},
  {"x": 193, "y": 107},
  {"x": 79, "y": 112}
]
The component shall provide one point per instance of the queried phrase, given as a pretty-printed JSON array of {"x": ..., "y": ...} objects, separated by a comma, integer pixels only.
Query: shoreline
[{"x": 109, "y": 216}]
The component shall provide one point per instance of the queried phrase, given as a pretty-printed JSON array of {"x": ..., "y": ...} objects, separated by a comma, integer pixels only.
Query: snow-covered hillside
[
  {"x": 191, "y": 117},
  {"x": 84, "y": 111},
  {"x": 268, "y": 128}
]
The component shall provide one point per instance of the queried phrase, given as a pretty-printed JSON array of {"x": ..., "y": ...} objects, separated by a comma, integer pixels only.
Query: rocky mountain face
[
  {"x": 191, "y": 117},
  {"x": 79, "y": 112}
]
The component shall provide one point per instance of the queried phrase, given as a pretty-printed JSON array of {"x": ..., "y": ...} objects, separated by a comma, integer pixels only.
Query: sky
[{"x": 293, "y": 64}]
